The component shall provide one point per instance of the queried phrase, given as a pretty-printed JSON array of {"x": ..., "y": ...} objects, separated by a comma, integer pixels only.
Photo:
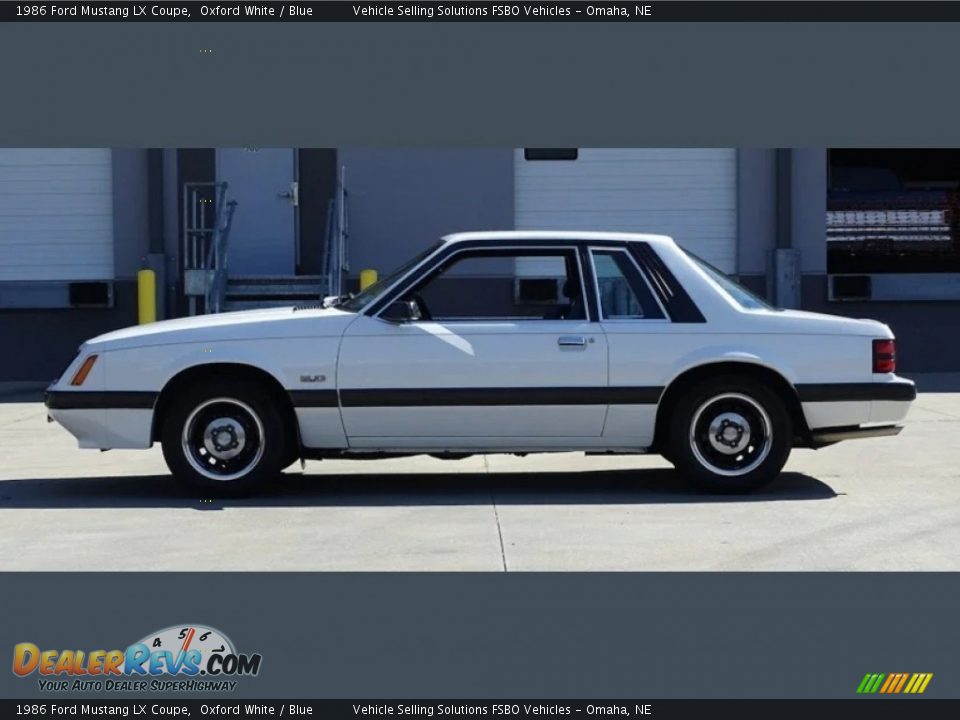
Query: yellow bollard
[
  {"x": 146, "y": 296},
  {"x": 367, "y": 278}
]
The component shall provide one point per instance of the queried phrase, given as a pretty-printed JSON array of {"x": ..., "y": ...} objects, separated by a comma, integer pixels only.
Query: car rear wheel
[
  {"x": 730, "y": 434},
  {"x": 225, "y": 437}
]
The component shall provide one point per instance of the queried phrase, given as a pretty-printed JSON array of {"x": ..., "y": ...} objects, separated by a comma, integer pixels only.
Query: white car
[{"x": 502, "y": 342}]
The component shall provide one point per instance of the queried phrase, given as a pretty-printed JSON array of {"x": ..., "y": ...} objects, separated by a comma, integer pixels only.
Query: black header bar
[
  {"x": 624, "y": 12},
  {"x": 513, "y": 709}
]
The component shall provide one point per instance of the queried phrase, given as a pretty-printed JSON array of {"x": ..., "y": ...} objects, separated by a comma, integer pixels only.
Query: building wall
[
  {"x": 402, "y": 200},
  {"x": 756, "y": 205},
  {"x": 809, "y": 209},
  {"x": 171, "y": 230},
  {"x": 927, "y": 332},
  {"x": 131, "y": 231},
  {"x": 47, "y": 339}
]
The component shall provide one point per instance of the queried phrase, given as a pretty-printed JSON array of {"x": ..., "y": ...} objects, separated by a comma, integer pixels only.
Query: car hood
[
  {"x": 247, "y": 324},
  {"x": 803, "y": 322}
]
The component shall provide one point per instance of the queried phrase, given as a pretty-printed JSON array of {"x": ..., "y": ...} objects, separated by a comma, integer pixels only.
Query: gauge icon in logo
[{"x": 186, "y": 648}]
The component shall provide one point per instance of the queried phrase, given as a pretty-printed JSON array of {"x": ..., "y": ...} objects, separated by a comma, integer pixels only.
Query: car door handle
[{"x": 574, "y": 340}]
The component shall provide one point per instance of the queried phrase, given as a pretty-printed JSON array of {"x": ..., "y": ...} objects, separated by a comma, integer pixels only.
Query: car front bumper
[{"x": 102, "y": 420}]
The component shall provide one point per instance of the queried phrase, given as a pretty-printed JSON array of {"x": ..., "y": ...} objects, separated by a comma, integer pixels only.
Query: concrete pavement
[{"x": 880, "y": 504}]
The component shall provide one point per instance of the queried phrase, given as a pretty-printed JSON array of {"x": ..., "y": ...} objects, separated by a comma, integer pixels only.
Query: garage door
[
  {"x": 56, "y": 214},
  {"x": 690, "y": 194}
]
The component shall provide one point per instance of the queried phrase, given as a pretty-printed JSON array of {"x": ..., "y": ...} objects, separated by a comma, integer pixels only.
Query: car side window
[
  {"x": 522, "y": 284},
  {"x": 624, "y": 293}
]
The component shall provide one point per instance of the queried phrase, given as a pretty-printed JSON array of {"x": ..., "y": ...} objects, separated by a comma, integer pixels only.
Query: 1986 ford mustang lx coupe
[{"x": 505, "y": 342}]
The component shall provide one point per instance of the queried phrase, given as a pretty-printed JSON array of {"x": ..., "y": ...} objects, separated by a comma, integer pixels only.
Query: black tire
[
  {"x": 667, "y": 455},
  {"x": 292, "y": 456},
  {"x": 241, "y": 414},
  {"x": 292, "y": 451},
  {"x": 729, "y": 434}
]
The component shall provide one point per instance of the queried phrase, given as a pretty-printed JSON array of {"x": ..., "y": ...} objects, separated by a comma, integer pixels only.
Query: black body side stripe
[
  {"x": 313, "y": 398},
  {"x": 87, "y": 400},
  {"x": 425, "y": 397},
  {"x": 839, "y": 392},
  {"x": 413, "y": 397}
]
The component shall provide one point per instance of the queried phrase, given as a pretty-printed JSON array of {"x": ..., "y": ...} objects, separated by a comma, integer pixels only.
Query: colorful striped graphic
[{"x": 894, "y": 683}]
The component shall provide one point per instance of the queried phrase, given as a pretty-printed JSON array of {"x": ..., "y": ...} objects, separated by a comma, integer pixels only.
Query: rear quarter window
[{"x": 737, "y": 292}]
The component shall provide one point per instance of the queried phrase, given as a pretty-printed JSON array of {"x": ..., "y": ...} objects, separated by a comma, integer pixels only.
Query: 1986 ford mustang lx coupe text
[{"x": 506, "y": 342}]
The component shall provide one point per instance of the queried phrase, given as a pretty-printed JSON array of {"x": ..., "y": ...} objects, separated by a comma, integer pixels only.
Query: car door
[
  {"x": 500, "y": 353},
  {"x": 636, "y": 326}
]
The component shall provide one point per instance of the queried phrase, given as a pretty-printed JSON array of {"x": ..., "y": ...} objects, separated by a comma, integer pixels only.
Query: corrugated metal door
[
  {"x": 56, "y": 214},
  {"x": 690, "y": 194}
]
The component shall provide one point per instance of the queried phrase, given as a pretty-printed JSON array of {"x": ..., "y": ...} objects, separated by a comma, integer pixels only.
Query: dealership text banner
[{"x": 481, "y": 11}]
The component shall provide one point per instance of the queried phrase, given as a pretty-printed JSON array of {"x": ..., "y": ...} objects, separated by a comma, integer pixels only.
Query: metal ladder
[
  {"x": 335, "y": 261},
  {"x": 207, "y": 218}
]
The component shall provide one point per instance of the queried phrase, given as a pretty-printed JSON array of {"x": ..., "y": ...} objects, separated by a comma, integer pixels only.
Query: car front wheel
[
  {"x": 730, "y": 434},
  {"x": 224, "y": 438}
]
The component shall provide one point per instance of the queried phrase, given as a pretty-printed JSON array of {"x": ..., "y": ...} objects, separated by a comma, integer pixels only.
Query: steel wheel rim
[
  {"x": 731, "y": 434},
  {"x": 223, "y": 439}
]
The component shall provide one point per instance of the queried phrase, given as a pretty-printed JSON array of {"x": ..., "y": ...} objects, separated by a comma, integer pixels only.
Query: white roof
[{"x": 533, "y": 235}]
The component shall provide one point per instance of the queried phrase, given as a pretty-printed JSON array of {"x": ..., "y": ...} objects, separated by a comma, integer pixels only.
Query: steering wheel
[{"x": 422, "y": 307}]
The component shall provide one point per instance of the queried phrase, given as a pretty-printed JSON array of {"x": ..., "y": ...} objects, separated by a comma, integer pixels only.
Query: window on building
[
  {"x": 550, "y": 153},
  {"x": 624, "y": 294},
  {"x": 893, "y": 211},
  {"x": 503, "y": 285}
]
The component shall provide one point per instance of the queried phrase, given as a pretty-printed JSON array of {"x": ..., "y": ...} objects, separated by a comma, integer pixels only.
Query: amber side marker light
[
  {"x": 884, "y": 356},
  {"x": 84, "y": 370}
]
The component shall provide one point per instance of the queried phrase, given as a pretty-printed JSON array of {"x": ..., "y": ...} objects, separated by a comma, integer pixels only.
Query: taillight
[{"x": 884, "y": 356}]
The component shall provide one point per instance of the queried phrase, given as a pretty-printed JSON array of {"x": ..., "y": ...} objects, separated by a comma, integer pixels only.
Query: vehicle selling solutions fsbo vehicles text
[{"x": 402, "y": 10}]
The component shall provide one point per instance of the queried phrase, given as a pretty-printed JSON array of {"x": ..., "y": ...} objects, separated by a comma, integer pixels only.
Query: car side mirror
[{"x": 402, "y": 311}]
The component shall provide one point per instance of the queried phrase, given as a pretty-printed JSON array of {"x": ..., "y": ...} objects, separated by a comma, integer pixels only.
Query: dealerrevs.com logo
[{"x": 178, "y": 658}]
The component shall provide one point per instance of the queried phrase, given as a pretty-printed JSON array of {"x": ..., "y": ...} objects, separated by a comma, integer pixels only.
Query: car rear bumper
[
  {"x": 895, "y": 390},
  {"x": 832, "y": 435},
  {"x": 844, "y": 411}
]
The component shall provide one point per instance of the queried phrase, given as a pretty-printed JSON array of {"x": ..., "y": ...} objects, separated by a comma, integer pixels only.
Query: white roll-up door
[
  {"x": 690, "y": 194},
  {"x": 56, "y": 214}
]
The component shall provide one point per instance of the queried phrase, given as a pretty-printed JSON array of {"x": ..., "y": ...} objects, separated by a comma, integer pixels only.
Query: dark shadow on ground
[{"x": 598, "y": 487}]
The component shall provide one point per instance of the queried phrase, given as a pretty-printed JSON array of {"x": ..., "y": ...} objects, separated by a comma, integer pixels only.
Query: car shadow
[{"x": 596, "y": 487}]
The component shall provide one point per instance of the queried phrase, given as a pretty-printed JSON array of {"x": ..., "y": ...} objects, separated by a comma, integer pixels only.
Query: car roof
[{"x": 540, "y": 235}]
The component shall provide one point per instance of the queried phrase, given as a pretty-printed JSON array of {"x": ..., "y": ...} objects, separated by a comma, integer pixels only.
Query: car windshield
[
  {"x": 743, "y": 297},
  {"x": 358, "y": 302}
]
